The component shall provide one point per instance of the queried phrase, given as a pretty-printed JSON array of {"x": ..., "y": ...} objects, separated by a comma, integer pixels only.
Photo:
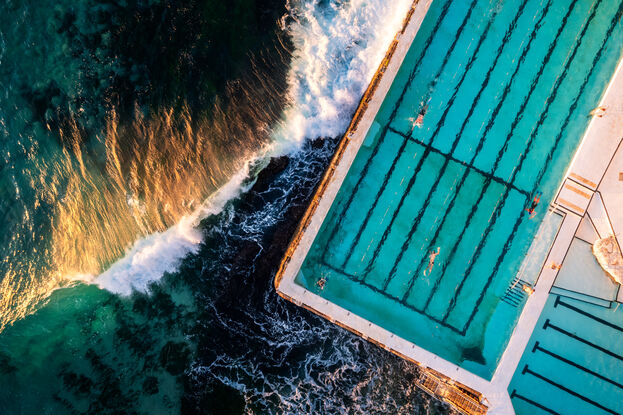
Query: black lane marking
[
  {"x": 469, "y": 166},
  {"x": 355, "y": 279},
  {"x": 470, "y": 113},
  {"x": 463, "y": 331},
  {"x": 521, "y": 217},
  {"x": 426, "y": 151},
  {"x": 613, "y": 23},
  {"x": 533, "y": 403},
  {"x": 581, "y": 340},
  {"x": 455, "y": 142},
  {"x": 572, "y": 108},
  {"x": 569, "y": 391},
  {"x": 386, "y": 179},
  {"x": 481, "y": 142},
  {"x": 574, "y": 364},
  {"x": 414, "y": 71},
  {"x": 584, "y": 313},
  {"x": 492, "y": 120}
]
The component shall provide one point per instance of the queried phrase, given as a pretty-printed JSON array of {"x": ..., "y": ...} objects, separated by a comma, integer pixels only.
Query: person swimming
[
  {"x": 420, "y": 118},
  {"x": 535, "y": 202},
  {"x": 321, "y": 283},
  {"x": 419, "y": 121},
  {"x": 431, "y": 260}
]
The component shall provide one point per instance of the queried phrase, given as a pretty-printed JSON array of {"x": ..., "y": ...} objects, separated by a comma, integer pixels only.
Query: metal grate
[{"x": 449, "y": 393}]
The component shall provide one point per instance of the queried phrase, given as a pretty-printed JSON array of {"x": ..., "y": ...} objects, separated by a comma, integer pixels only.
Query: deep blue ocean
[{"x": 156, "y": 157}]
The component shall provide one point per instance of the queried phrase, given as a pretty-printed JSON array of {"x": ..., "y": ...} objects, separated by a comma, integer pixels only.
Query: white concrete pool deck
[{"x": 592, "y": 176}]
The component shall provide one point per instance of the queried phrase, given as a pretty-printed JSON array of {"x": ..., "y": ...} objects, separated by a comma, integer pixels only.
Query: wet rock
[
  {"x": 266, "y": 177},
  {"x": 221, "y": 400}
]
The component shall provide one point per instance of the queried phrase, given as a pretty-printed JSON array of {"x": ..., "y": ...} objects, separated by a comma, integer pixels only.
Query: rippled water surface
[{"x": 156, "y": 157}]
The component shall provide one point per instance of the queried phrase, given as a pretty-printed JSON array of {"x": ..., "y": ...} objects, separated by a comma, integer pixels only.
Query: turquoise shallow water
[
  {"x": 112, "y": 128},
  {"x": 117, "y": 117},
  {"x": 508, "y": 89},
  {"x": 212, "y": 337},
  {"x": 573, "y": 361}
]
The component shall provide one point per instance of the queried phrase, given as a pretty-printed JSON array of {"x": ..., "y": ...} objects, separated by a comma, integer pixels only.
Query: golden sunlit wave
[{"x": 138, "y": 178}]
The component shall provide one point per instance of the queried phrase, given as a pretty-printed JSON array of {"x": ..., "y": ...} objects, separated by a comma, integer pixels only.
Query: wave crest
[{"x": 337, "y": 48}]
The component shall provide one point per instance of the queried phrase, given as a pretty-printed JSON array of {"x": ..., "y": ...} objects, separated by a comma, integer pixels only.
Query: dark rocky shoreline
[{"x": 275, "y": 330}]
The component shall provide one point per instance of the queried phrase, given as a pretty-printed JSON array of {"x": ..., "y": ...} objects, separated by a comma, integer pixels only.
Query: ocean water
[{"x": 156, "y": 156}]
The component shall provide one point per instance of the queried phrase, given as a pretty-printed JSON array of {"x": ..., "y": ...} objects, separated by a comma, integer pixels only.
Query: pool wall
[
  {"x": 475, "y": 394},
  {"x": 351, "y": 141},
  {"x": 464, "y": 398}
]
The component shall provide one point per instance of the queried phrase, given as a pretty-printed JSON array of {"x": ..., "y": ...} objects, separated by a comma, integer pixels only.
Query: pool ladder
[{"x": 515, "y": 295}]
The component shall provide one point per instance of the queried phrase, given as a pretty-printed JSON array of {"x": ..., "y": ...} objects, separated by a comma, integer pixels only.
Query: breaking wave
[{"x": 337, "y": 48}]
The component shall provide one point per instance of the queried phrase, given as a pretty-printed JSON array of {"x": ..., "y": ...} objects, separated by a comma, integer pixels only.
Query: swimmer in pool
[
  {"x": 321, "y": 283},
  {"x": 535, "y": 202},
  {"x": 431, "y": 260},
  {"x": 420, "y": 118}
]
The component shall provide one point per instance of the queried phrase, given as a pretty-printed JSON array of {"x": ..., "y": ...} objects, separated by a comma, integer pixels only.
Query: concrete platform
[{"x": 588, "y": 198}]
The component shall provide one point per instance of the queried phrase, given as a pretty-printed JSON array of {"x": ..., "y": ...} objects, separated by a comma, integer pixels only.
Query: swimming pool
[
  {"x": 508, "y": 89},
  {"x": 573, "y": 361}
]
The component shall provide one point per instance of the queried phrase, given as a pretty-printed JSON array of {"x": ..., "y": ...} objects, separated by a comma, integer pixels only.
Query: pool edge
[
  {"x": 351, "y": 141},
  {"x": 491, "y": 396}
]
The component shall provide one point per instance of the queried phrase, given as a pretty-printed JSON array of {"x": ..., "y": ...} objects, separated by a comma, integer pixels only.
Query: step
[{"x": 581, "y": 297}]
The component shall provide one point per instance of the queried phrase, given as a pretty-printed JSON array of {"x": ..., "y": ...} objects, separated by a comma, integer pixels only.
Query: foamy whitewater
[
  {"x": 161, "y": 252},
  {"x": 338, "y": 47},
  {"x": 186, "y": 319}
]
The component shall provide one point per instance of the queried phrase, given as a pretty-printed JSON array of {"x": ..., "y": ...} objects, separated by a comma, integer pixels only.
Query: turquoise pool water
[
  {"x": 573, "y": 363},
  {"x": 508, "y": 88}
]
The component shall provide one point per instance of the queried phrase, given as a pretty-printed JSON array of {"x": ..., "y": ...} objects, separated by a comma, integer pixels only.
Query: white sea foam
[
  {"x": 162, "y": 252},
  {"x": 338, "y": 46}
]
